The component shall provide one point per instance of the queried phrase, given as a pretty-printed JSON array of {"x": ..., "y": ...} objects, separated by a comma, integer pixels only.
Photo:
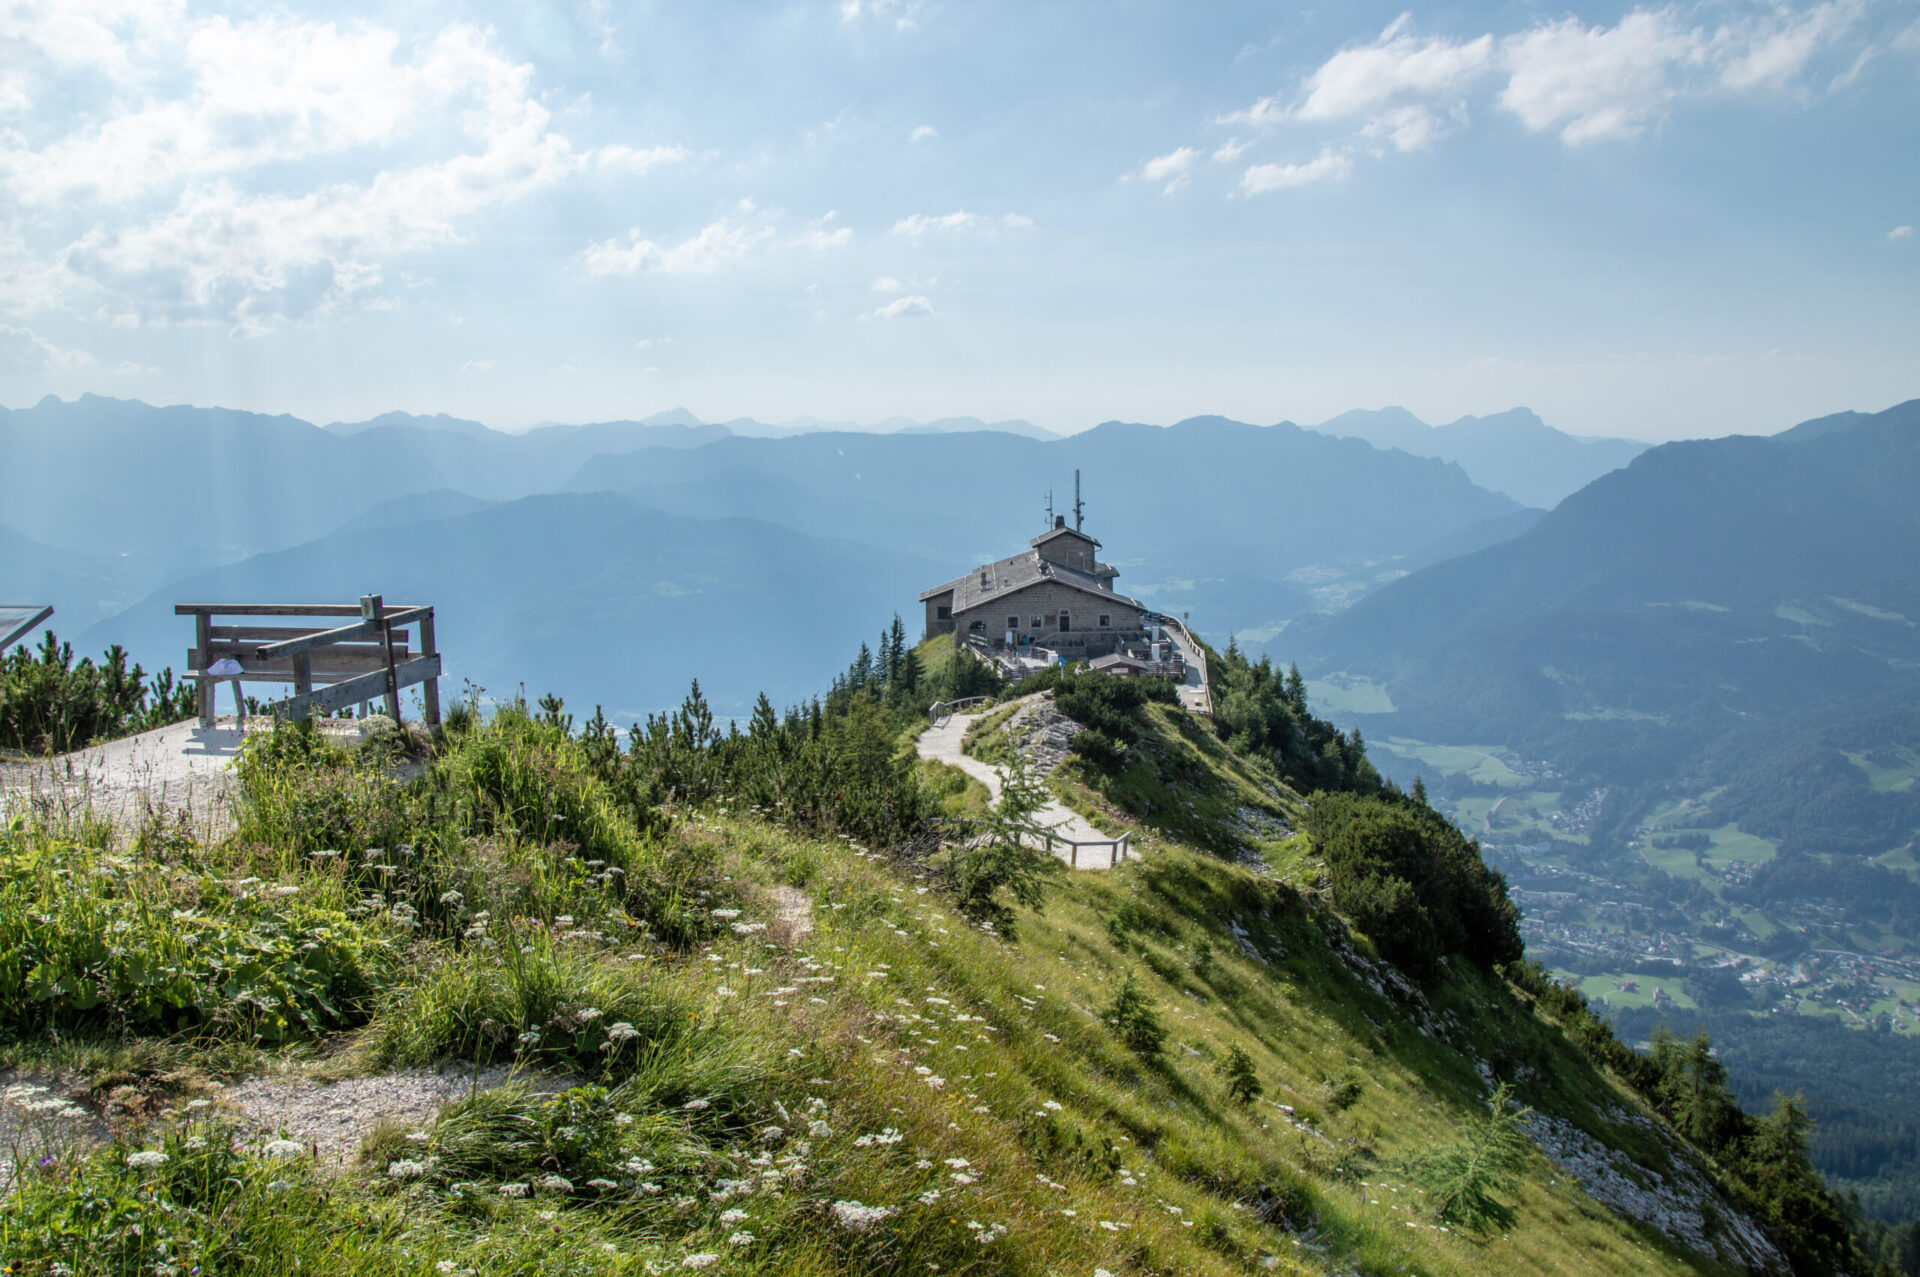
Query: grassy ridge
[{"x": 788, "y": 1053}]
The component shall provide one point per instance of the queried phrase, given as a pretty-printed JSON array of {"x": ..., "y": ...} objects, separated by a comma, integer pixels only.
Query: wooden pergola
[{"x": 330, "y": 667}]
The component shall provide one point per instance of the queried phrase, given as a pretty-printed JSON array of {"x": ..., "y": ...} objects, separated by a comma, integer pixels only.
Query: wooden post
[
  {"x": 432, "y": 686},
  {"x": 302, "y": 680},
  {"x": 203, "y": 686},
  {"x": 373, "y": 607}
]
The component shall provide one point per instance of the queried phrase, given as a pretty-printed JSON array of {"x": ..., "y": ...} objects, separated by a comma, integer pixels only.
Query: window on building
[
  {"x": 1039, "y": 622},
  {"x": 943, "y": 614},
  {"x": 978, "y": 627},
  {"x": 1105, "y": 620},
  {"x": 1066, "y": 622},
  {"x": 1013, "y": 622}
]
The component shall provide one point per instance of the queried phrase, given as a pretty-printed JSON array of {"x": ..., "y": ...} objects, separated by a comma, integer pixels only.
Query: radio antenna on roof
[{"x": 1078, "y": 509}]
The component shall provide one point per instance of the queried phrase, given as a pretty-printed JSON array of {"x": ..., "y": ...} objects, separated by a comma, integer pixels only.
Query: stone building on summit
[{"x": 1056, "y": 595}]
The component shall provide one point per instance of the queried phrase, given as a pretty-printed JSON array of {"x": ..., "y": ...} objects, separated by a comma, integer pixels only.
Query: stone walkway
[{"x": 941, "y": 742}]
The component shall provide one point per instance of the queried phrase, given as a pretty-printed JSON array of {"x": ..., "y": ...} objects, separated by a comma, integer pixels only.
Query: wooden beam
[
  {"x": 340, "y": 695},
  {"x": 275, "y": 633},
  {"x": 328, "y": 664},
  {"x": 265, "y": 609},
  {"x": 18, "y": 631},
  {"x": 325, "y": 638}
]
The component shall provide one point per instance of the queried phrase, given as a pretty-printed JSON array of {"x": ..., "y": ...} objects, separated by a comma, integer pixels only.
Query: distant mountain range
[
  {"x": 1512, "y": 452},
  {"x": 585, "y": 595},
  {"x": 110, "y": 501},
  {"x": 1706, "y": 584}
]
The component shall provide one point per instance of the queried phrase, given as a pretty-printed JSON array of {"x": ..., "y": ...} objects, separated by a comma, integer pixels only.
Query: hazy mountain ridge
[
  {"x": 1749, "y": 566},
  {"x": 1514, "y": 452},
  {"x": 588, "y": 594}
]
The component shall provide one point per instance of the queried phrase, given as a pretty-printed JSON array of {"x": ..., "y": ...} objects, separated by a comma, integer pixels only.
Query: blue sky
[{"x": 1645, "y": 221}]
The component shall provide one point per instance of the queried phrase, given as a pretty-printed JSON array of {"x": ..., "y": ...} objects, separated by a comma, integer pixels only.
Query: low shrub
[{"x": 88, "y": 938}]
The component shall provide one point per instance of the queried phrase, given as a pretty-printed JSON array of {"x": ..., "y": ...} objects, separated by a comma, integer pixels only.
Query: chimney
[{"x": 1059, "y": 521}]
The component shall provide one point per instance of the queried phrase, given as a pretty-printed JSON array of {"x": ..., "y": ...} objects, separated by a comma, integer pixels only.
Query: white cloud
[
  {"x": 819, "y": 236},
  {"x": 23, "y": 350},
  {"x": 918, "y": 224},
  {"x": 1900, "y": 232},
  {"x": 1017, "y": 222},
  {"x": 887, "y": 284},
  {"x": 1328, "y": 166},
  {"x": 1775, "y": 51},
  {"x": 1170, "y": 168},
  {"x": 1588, "y": 83},
  {"x": 1230, "y": 150},
  {"x": 1407, "y": 128},
  {"x": 1361, "y": 81},
  {"x": 233, "y": 168},
  {"x": 1596, "y": 82},
  {"x": 923, "y": 133},
  {"x": 899, "y": 12},
  {"x": 908, "y": 307},
  {"x": 716, "y": 245},
  {"x": 477, "y": 365},
  {"x": 638, "y": 161}
]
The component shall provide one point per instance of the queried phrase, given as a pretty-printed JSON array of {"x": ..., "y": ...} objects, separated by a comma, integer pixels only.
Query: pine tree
[
  {"x": 1296, "y": 687},
  {"x": 1134, "y": 1020},
  {"x": 1243, "y": 1083},
  {"x": 1420, "y": 792}
]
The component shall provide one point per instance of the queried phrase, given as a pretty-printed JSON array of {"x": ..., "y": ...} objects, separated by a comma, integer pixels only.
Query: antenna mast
[
  {"x": 1079, "y": 510},
  {"x": 1049, "y": 507}
]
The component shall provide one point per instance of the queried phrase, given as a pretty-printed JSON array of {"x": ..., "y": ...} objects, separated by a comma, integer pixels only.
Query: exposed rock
[{"x": 1686, "y": 1207}]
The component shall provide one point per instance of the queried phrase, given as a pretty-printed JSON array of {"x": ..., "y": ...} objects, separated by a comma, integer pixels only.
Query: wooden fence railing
[{"x": 331, "y": 668}]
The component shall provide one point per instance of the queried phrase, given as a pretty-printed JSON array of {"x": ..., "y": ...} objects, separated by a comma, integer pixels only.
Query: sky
[{"x": 1655, "y": 222}]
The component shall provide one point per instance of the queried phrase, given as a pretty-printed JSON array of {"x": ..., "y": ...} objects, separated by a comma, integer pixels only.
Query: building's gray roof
[
  {"x": 1051, "y": 533},
  {"x": 1019, "y": 572}
]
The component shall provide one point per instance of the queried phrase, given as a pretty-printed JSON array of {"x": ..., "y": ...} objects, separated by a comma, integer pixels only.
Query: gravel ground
[
  {"x": 333, "y": 1117},
  {"x": 183, "y": 769}
]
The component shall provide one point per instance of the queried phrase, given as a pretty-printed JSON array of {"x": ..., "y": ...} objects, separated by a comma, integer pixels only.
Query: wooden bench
[{"x": 331, "y": 667}]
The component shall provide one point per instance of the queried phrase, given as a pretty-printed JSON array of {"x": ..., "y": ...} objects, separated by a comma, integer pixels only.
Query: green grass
[
  {"x": 889, "y": 1055},
  {"x": 1481, "y": 765},
  {"x": 1341, "y": 694},
  {"x": 1892, "y": 772}
]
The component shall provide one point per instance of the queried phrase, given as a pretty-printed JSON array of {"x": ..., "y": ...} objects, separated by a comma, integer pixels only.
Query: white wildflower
[
  {"x": 732, "y": 1216},
  {"x": 742, "y": 1238},
  {"x": 859, "y": 1218},
  {"x": 621, "y": 1031},
  {"x": 513, "y": 1190},
  {"x": 819, "y": 1130},
  {"x": 696, "y": 1106},
  {"x": 558, "y": 1183},
  {"x": 699, "y": 1260},
  {"x": 406, "y": 1168},
  {"x": 149, "y": 1160},
  {"x": 284, "y": 1148}
]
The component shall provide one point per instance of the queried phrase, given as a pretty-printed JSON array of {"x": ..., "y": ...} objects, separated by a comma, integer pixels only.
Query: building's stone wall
[
  {"x": 1069, "y": 551},
  {"x": 1044, "y": 601},
  {"x": 936, "y": 623}
]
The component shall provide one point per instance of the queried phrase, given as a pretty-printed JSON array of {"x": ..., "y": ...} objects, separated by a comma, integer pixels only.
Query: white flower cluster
[{"x": 859, "y": 1217}]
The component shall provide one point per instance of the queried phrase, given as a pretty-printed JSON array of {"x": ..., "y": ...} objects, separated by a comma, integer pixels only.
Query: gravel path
[
  {"x": 183, "y": 769},
  {"x": 941, "y": 743},
  {"x": 333, "y": 1117}
]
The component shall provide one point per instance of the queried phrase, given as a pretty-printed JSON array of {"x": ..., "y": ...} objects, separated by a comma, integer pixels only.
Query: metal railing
[
  {"x": 1118, "y": 849},
  {"x": 941, "y": 711}
]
